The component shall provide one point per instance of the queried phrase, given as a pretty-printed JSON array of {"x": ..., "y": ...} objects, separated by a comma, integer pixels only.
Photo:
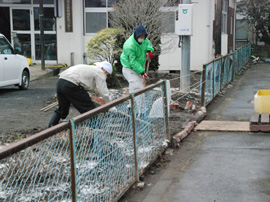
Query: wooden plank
[
  {"x": 265, "y": 118},
  {"x": 228, "y": 126},
  {"x": 254, "y": 118},
  {"x": 257, "y": 128}
]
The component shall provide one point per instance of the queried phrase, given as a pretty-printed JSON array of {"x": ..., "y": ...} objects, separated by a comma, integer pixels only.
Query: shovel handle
[{"x": 147, "y": 68}]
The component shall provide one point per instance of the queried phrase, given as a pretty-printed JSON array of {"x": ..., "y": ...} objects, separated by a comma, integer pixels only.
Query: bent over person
[{"x": 73, "y": 87}]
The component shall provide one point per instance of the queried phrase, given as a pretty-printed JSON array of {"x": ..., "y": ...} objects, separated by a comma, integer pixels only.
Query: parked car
[{"x": 14, "y": 68}]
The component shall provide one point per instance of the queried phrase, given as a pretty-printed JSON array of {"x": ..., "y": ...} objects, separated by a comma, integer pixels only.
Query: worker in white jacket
[{"x": 73, "y": 87}]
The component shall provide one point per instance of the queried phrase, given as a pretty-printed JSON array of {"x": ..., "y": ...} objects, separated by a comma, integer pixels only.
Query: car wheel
[{"x": 25, "y": 80}]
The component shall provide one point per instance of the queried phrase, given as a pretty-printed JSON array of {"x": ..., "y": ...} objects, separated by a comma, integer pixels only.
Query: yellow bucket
[{"x": 262, "y": 101}]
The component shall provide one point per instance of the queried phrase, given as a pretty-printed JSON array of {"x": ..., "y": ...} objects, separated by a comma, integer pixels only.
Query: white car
[{"x": 14, "y": 68}]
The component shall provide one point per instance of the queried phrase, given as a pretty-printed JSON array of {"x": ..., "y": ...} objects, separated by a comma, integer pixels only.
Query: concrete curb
[{"x": 42, "y": 75}]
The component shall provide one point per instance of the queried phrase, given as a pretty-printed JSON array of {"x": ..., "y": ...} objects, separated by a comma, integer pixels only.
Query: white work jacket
[{"x": 90, "y": 77}]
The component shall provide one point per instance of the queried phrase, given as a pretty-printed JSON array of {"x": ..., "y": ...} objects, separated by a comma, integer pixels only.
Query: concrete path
[
  {"x": 36, "y": 72},
  {"x": 227, "y": 167}
]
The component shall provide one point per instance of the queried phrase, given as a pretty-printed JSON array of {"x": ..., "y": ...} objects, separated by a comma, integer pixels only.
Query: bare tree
[
  {"x": 257, "y": 15},
  {"x": 156, "y": 15}
]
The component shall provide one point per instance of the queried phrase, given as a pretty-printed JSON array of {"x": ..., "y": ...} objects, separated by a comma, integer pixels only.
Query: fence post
[
  {"x": 73, "y": 161},
  {"x": 221, "y": 72},
  {"x": 203, "y": 86},
  {"x": 228, "y": 70},
  {"x": 213, "y": 79},
  {"x": 233, "y": 66},
  {"x": 166, "y": 104},
  {"x": 134, "y": 137}
]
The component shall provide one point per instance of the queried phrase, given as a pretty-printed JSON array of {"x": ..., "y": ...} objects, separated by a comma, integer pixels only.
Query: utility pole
[
  {"x": 41, "y": 27},
  {"x": 185, "y": 61}
]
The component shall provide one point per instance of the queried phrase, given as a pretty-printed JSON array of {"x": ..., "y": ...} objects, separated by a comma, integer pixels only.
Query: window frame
[
  {"x": 224, "y": 17},
  {"x": 105, "y": 10}
]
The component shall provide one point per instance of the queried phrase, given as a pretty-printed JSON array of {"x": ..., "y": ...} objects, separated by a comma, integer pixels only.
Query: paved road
[
  {"x": 20, "y": 110},
  {"x": 219, "y": 166}
]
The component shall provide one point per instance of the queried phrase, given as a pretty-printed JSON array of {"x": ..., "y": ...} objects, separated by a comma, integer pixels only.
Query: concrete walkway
[
  {"x": 227, "y": 167},
  {"x": 36, "y": 72}
]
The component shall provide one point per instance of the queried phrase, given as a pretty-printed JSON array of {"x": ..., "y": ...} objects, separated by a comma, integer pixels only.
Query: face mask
[{"x": 140, "y": 40}]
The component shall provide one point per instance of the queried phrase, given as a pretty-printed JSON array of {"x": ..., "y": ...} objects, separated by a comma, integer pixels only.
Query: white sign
[{"x": 183, "y": 23}]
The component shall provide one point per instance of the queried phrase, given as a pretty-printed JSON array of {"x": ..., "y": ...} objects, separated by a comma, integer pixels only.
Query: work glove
[
  {"x": 144, "y": 76},
  {"x": 113, "y": 109},
  {"x": 150, "y": 55}
]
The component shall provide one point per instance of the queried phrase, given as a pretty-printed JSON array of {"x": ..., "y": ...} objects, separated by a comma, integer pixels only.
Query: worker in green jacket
[{"x": 135, "y": 50}]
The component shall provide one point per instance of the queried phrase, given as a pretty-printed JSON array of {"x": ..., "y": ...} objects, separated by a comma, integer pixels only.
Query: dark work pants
[{"x": 69, "y": 93}]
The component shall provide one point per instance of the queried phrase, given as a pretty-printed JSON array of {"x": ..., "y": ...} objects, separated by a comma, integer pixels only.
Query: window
[
  {"x": 44, "y": 1},
  {"x": 99, "y": 3},
  {"x": 16, "y": 2},
  {"x": 5, "y": 47},
  {"x": 96, "y": 15},
  {"x": 232, "y": 28},
  {"x": 49, "y": 19},
  {"x": 224, "y": 17},
  {"x": 50, "y": 52},
  {"x": 21, "y": 19},
  {"x": 96, "y": 21}
]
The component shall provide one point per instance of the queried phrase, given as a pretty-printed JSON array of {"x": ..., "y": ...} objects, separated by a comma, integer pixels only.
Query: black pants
[{"x": 69, "y": 93}]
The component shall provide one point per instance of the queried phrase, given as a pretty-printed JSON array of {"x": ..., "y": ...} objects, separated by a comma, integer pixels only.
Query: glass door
[
  {"x": 25, "y": 33},
  {"x": 21, "y": 27},
  {"x": 50, "y": 48}
]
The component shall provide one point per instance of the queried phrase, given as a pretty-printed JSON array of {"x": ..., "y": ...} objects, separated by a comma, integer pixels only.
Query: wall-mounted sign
[{"x": 68, "y": 16}]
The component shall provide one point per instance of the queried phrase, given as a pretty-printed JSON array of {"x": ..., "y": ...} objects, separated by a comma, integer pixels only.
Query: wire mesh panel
[
  {"x": 217, "y": 76},
  {"x": 209, "y": 83},
  {"x": 224, "y": 74},
  {"x": 221, "y": 71},
  {"x": 236, "y": 61},
  {"x": 230, "y": 67},
  {"x": 104, "y": 155},
  {"x": 39, "y": 173},
  {"x": 150, "y": 126}
]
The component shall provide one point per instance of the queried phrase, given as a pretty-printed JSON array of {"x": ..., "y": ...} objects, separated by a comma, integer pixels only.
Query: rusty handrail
[
  {"x": 29, "y": 141},
  {"x": 225, "y": 55},
  {"x": 107, "y": 106}
]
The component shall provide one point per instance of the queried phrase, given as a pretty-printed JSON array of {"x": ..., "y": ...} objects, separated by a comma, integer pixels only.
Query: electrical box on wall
[{"x": 183, "y": 22}]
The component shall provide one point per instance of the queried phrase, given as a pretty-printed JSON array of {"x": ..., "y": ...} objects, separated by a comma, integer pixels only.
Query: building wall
[
  {"x": 71, "y": 42},
  {"x": 202, "y": 44},
  {"x": 201, "y": 40}
]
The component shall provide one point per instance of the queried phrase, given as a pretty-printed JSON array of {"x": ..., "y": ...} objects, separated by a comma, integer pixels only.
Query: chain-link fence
[
  {"x": 97, "y": 156},
  {"x": 219, "y": 72}
]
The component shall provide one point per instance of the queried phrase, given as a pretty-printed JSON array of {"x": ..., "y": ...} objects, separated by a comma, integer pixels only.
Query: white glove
[{"x": 113, "y": 109}]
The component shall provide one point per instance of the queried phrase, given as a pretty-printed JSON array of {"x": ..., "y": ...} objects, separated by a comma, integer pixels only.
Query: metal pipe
[
  {"x": 41, "y": 26},
  {"x": 166, "y": 109},
  {"x": 73, "y": 161},
  {"x": 223, "y": 61},
  {"x": 134, "y": 137},
  {"x": 185, "y": 61},
  {"x": 213, "y": 79},
  {"x": 97, "y": 110},
  {"x": 141, "y": 91},
  {"x": 203, "y": 85}
]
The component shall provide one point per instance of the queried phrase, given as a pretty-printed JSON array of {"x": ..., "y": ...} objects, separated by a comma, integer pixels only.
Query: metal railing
[
  {"x": 219, "y": 72},
  {"x": 95, "y": 156}
]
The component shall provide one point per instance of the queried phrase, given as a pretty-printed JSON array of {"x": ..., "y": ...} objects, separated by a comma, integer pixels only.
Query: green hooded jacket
[{"x": 133, "y": 55}]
